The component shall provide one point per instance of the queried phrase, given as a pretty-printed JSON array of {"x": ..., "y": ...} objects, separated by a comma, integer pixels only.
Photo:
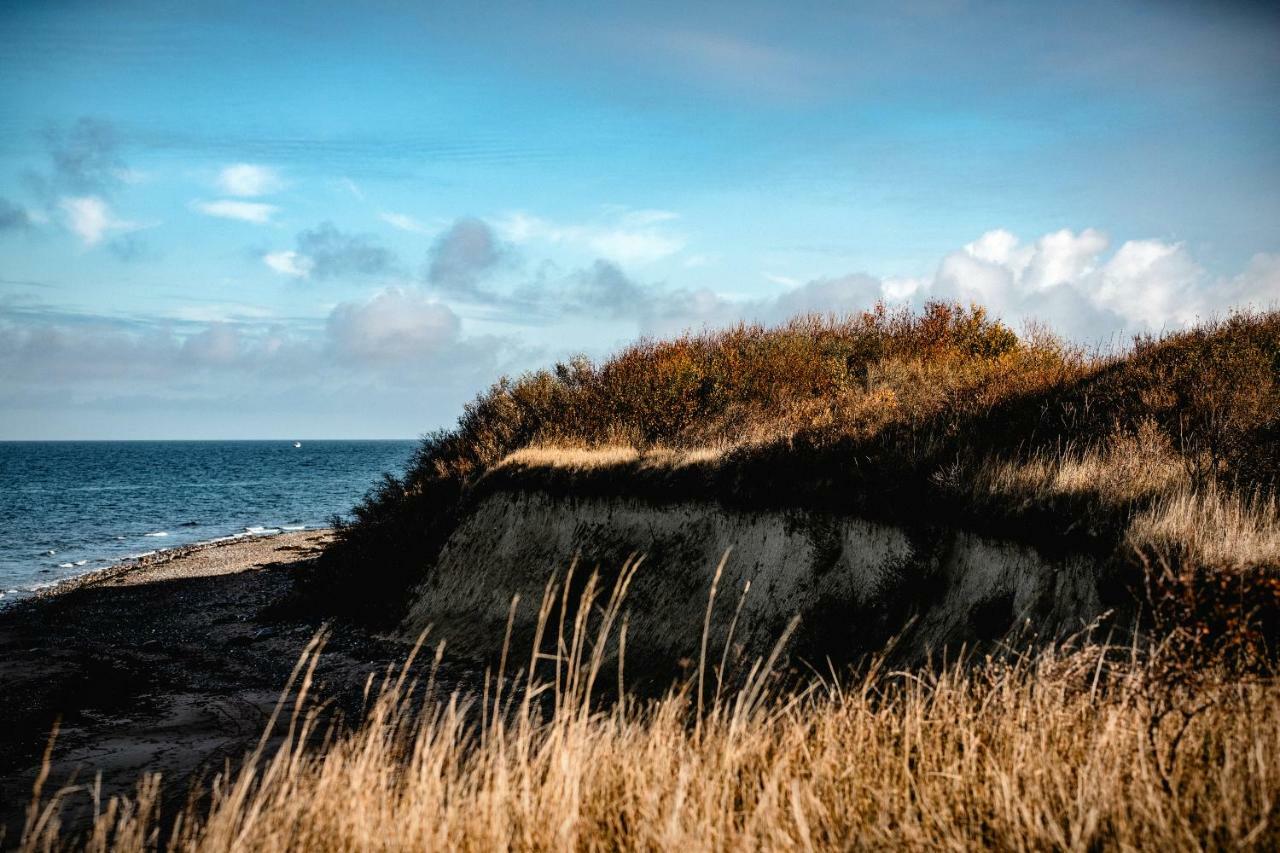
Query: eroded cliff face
[{"x": 854, "y": 583}]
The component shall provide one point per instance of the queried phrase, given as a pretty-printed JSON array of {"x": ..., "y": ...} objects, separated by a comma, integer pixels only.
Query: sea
[{"x": 71, "y": 507}]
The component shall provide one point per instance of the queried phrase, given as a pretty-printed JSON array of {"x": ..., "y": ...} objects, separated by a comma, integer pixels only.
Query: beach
[{"x": 171, "y": 664}]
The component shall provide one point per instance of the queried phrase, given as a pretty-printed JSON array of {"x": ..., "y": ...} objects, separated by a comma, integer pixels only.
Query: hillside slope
[{"x": 931, "y": 426}]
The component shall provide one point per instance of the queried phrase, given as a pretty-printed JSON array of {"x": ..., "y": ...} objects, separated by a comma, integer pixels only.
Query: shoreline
[{"x": 152, "y": 560}]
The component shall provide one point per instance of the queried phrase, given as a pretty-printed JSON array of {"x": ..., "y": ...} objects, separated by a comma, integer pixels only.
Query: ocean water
[{"x": 69, "y": 507}]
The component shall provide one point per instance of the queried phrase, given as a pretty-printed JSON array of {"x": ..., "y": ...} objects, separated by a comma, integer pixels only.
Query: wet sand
[{"x": 169, "y": 665}]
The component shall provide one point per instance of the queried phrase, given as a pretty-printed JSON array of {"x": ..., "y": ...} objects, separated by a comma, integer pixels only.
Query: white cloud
[
  {"x": 999, "y": 247},
  {"x": 353, "y": 188},
  {"x": 245, "y": 211},
  {"x": 289, "y": 263},
  {"x": 248, "y": 180},
  {"x": 1153, "y": 283},
  {"x": 1058, "y": 258},
  {"x": 218, "y": 344},
  {"x": 91, "y": 219},
  {"x": 395, "y": 325},
  {"x": 404, "y": 222},
  {"x": 1064, "y": 278},
  {"x": 630, "y": 238},
  {"x": 1259, "y": 284},
  {"x": 899, "y": 289},
  {"x": 645, "y": 218},
  {"x": 634, "y": 247}
]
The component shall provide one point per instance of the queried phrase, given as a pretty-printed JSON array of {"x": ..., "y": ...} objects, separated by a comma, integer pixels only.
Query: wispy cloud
[
  {"x": 249, "y": 180},
  {"x": 404, "y": 222},
  {"x": 728, "y": 61},
  {"x": 255, "y": 212},
  {"x": 288, "y": 263},
  {"x": 353, "y": 188},
  {"x": 90, "y": 218},
  {"x": 627, "y": 238}
]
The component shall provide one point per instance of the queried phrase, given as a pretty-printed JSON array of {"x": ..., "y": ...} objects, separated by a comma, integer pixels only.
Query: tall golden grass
[{"x": 1089, "y": 747}]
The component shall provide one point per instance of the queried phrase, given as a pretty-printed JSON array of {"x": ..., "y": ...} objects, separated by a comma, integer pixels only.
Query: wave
[{"x": 157, "y": 533}]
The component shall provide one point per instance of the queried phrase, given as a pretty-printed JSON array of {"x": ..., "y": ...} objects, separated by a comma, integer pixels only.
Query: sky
[{"x": 305, "y": 220}]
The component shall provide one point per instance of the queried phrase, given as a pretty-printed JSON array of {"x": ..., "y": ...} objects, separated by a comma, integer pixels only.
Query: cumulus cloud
[
  {"x": 248, "y": 180},
  {"x": 1066, "y": 279},
  {"x": 396, "y": 325},
  {"x": 842, "y": 295},
  {"x": 628, "y": 237},
  {"x": 1071, "y": 280},
  {"x": 255, "y": 212},
  {"x": 463, "y": 255},
  {"x": 91, "y": 219}
]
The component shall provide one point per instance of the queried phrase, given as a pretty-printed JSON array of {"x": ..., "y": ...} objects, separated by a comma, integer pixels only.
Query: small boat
[{"x": 297, "y": 444}]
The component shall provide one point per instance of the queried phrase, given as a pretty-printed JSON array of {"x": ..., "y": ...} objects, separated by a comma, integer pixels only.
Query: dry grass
[
  {"x": 580, "y": 459},
  {"x": 1211, "y": 528},
  {"x": 1073, "y": 750},
  {"x": 1126, "y": 469}
]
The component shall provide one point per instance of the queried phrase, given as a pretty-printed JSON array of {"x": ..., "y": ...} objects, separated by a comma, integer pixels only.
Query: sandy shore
[
  {"x": 170, "y": 664},
  {"x": 202, "y": 559}
]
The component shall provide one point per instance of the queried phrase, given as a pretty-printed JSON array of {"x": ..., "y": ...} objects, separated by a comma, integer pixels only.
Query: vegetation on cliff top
[{"x": 1171, "y": 445}]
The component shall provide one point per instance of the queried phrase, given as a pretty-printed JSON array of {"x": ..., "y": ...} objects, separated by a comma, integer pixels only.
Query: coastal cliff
[
  {"x": 854, "y": 583},
  {"x": 932, "y": 479}
]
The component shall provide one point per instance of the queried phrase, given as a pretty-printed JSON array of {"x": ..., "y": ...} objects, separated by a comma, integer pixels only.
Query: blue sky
[{"x": 244, "y": 220}]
